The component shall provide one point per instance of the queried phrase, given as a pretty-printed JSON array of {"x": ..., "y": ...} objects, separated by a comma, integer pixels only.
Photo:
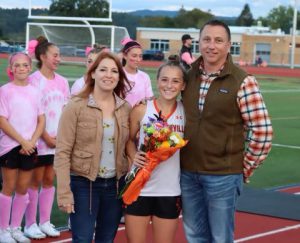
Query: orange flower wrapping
[{"x": 154, "y": 158}]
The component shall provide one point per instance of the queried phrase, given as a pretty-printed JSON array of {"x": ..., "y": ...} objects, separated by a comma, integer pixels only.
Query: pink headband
[
  {"x": 14, "y": 56},
  {"x": 87, "y": 50},
  {"x": 126, "y": 40},
  {"x": 129, "y": 44},
  {"x": 31, "y": 47},
  {"x": 11, "y": 61},
  {"x": 9, "y": 74}
]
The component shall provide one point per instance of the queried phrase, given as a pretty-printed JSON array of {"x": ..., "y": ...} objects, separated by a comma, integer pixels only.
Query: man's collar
[
  {"x": 223, "y": 71},
  {"x": 209, "y": 75}
]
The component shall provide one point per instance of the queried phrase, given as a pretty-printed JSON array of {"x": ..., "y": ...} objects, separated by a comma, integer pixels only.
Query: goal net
[{"x": 72, "y": 39}]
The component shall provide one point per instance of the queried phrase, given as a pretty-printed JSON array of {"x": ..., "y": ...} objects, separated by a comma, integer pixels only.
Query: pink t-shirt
[
  {"x": 141, "y": 89},
  {"x": 187, "y": 58},
  {"x": 20, "y": 105},
  {"x": 55, "y": 94}
]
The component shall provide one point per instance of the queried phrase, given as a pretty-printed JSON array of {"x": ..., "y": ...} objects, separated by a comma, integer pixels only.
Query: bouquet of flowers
[{"x": 160, "y": 143}]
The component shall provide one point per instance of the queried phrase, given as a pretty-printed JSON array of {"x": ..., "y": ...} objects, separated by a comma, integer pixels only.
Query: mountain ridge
[{"x": 170, "y": 13}]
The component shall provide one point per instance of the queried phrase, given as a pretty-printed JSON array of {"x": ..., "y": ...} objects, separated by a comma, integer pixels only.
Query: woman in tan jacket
[{"x": 90, "y": 152}]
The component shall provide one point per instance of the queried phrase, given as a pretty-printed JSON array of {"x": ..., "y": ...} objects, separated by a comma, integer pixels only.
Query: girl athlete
[
  {"x": 22, "y": 122},
  {"x": 159, "y": 200},
  {"x": 140, "y": 82},
  {"x": 55, "y": 91}
]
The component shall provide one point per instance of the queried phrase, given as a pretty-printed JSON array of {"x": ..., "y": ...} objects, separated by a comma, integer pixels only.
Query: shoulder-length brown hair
[{"x": 123, "y": 86}]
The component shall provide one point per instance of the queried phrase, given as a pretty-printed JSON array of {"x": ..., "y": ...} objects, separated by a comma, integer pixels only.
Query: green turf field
[{"x": 282, "y": 97}]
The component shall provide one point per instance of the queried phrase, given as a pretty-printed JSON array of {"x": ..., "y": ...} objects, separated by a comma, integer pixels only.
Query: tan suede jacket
[{"x": 79, "y": 142}]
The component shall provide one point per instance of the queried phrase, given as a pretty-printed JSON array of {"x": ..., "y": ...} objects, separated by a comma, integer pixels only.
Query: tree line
[{"x": 13, "y": 21}]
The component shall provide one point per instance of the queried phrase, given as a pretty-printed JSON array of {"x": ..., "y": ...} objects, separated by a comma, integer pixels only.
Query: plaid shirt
[{"x": 255, "y": 116}]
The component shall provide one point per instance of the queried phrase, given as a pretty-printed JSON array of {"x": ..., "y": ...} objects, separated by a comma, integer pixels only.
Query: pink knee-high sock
[
  {"x": 5, "y": 202},
  {"x": 46, "y": 198},
  {"x": 30, "y": 214},
  {"x": 19, "y": 206}
]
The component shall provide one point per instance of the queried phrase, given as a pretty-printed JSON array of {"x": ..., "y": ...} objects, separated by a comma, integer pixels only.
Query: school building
[{"x": 247, "y": 43}]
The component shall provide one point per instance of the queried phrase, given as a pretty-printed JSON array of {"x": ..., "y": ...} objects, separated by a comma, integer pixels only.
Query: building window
[
  {"x": 261, "y": 53},
  {"x": 162, "y": 45},
  {"x": 195, "y": 47},
  {"x": 235, "y": 48}
]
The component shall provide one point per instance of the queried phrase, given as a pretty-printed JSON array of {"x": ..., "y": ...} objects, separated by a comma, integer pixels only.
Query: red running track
[{"x": 250, "y": 228}]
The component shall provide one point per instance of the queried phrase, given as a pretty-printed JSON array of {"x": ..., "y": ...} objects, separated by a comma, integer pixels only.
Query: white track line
[
  {"x": 281, "y": 91},
  {"x": 285, "y": 118},
  {"x": 272, "y": 232},
  {"x": 285, "y": 146},
  {"x": 61, "y": 241}
]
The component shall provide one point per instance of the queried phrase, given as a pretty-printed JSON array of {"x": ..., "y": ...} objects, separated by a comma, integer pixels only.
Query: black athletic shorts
[
  {"x": 44, "y": 160},
  {"x": 162, "y": 207},
  {"x": 14, "y": 160}
]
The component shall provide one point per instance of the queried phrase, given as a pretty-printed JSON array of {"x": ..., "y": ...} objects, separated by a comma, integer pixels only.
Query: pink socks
[
  {"x": 19, "y": 205},
  {"x": 46, "y": 198},
  {"x": 30, "y": 214},
  {"x": 5, "y": 202}
]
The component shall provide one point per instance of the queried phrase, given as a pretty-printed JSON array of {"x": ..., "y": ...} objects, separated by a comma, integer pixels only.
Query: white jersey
[
  {"x": 165, "y": 178},
  {"x": 77, "y": 86}
]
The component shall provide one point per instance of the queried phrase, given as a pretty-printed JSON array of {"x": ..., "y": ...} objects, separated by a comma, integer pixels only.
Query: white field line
[
  {"x": 72, "y": 80},
  {"x": 61, "y": 241},
  {"x": 285, "y": 118},
  {"x": 285, "y": 146},
  {"x": 281, "y": 91},
  {"x": 272, "y": 232}
]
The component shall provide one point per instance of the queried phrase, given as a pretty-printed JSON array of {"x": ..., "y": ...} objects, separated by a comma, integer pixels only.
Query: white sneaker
[
  {"x": 34, "y": 232},
  {"x": 69, "y": 224},
  {"x": 18, "y": 235},
  {"x": 5, "y": 236},
  {"x": 49, "y": 229}
]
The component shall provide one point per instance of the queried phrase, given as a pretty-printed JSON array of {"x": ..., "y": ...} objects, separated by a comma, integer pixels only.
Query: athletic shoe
[
  {"x": 18, "y": 235},
  {"x": 5, "y": 236},
  {"x": 34, "y": 232},
  {"x": 49, "y": 229},
  {"x": 69, "y": 224}
]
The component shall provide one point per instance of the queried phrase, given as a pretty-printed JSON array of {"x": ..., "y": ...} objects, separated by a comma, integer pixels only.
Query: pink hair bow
[
  {"x": 9, "y": 74},
  {"x": 125, "y": 41},
  {"x": 31, "y": 47},
  {"x": 87, "y": 50}
]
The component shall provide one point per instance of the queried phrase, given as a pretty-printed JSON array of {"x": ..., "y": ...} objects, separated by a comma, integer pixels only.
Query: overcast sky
[{"x": 217, "y": 7}]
